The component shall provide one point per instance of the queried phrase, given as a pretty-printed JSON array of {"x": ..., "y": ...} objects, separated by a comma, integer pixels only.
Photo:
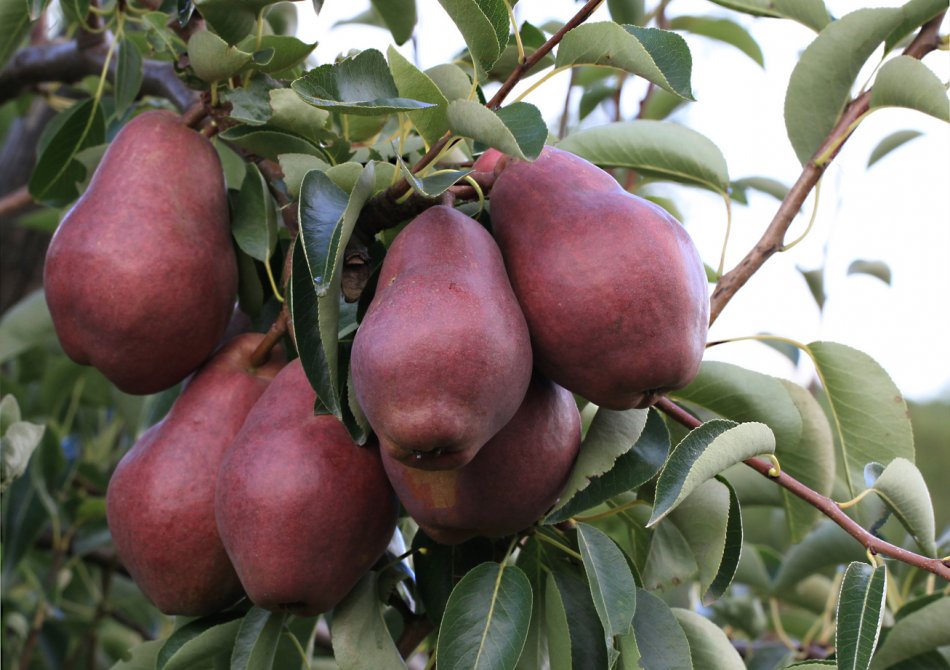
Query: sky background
[{"x": 898, "y": 211}]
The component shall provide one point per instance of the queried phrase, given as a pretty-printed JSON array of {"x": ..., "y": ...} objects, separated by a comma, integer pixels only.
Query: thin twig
[
  {"x": 14, "y": 202},
  {"x": 773, "y": 238},
  {"x": 825, "y": 505}
]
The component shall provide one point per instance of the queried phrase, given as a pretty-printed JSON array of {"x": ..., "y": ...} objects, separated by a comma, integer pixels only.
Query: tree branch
[
  {"x": 773, "y": 239},
  {"x": 825, "y": 505}
]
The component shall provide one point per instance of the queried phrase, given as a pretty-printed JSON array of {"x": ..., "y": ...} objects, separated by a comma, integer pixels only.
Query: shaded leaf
[
  {"x": 257, "y": 639},
  {"x": 440, "y": 566},
  {"x": 723, "y": 30},
  {"x": 626, "y": 11},
  {"x": 903, "y": 489},
  {"x": 654, "y": 148},
  {"x": 18, "y": 440},
  {"x": 286, "y": 52},
  {"x": 486, "y": 619},
  {"x": 878, "y": 269},
  {"x": 484, "y": 27},
  {"x": 531, "y": 561},
  {"x": 611, "y": 582},
  {"x": 517, "y": 130},
  {"x": 633, "y": 468},
  {"x": 669, "y": 561},
  {"x": 128, "y": 76},
  {"x": 57, "y": 171},
  {"x": 820, "y": 84},
  {"x": 703, "y": 453},
  {"x": 571, "y": 607},
  {"x": 659, "y": 56},
  {"x": 361, "y": 84},
  {"x": 14, "y": 26},
  {"x": 816, "y": 284},
  {"x": 434, "y": 185},
  {"x": 859, "y": 615},
  {"x": 708, "y": 645},
  {"x": 399, "y": 16},
  {"x": 913, "y": 14},
  {"x": 296, "y": 166},
  {"x": 891, "y": 142},
  {"x": 732, "y": 548},
  {"x": 268, "y": 142},
  {"x": 451, "y": 80},
  {"x": 660, "y": 638},
  {"x": 766, "y": 185},
  {"x": 811, "y": 13},
  {"x": 232, "y": 19},
  {"x": 254, "y": 218},
  {"x": 213, "y": 59},
  {"x": 920, "y": 631},
  {"x": 826, "y": 546},
  {"x": 411, "y": 82},
  {"x": 359, "y": 634},
  {"x": 25, "y": 325},
  {"x": 293, "y": 114},
  {"x": 250, "y": 104},
  {"x": 198, "y": 641},
  {"x": 906, "y": 82}
]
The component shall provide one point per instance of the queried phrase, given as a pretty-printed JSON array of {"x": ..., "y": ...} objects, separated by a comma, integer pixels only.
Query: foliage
[{"x": 664, "y": 551}]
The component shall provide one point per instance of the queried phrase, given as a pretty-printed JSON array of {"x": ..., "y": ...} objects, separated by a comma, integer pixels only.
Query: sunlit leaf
[
  {"x": 411, "y": 82},
  {"x": 906, "y": 82},
  {"x": 516, "y": 130}
]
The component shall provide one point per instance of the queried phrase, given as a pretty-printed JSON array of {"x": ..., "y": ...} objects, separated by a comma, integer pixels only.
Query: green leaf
[
  {"x": 18, "y": 440},
  {"x": 268, "y": 142},
  {"x": 914, "y": 14},
  {"x": 826, "y": 546},
  {"x": 708, "y": 645},
  {"x": 891, "y": 142},
  {"x": 654, "y": 148},
  {"x": 250, "y": 105},
  {"x": 870, "y": 417},
  {"x": 878, "y": 269},
  {"x": 626, "y": 11},
  {"x": 198, "y": 641},
  {"x": 399, "y": 16},
  {"x": 569, "y": 609},
  {"x": 860, "y": 613},
  {"x": 723, "y": 30},
  {"x": 660, "y": 638},
  {"x": 361, "y": 84},
  {"x": 439, "y": 566},
  {"x": 141, "y": 657},
  {"x": 820, "y": 84},
  {"x": 903, "y": 489},
  {"x": 811, "y": 13},
  {"x": 296, "y": 166},
  {"x": 669, "y": 561},
  {"x": 611, "y": 435},
  {"x": 771, "y": 187},
  {"x": 753, "y": 7},
  {"x": 517, "y": 130},
  {"x": 293, "y": 114},
  {"x": 906, "y": 82},
  {"x": 359, "y": 633},
  {"x": 57, "y": 172},
  {"x": 535, "y": 654},
  {"x": 531, "y": 39},
  {"x": 732, "y": 548},
  {"x": 128, "y": 76},
  {"x": 286, "y": 51},
  {"x": 703, "y": 519},
  {"x": 14, "y": 26},
  {"x": 254, "y": 217},
  {"x": 257, "y": 639},
  {"x": 484, "y": 27},
  {"x": 610, "y": 579},
  {"x": 212, "y": 59},
  {"x": 434, "y": 185},
  {"x": 918, "y": 632},
  {"x": 486, "y": 619},
  {"x": 411, "y": 82},
  {"x": 25, "y": 325},
  {"x": 703, "y": 453},
  {"x": 232, "y": 19},
  {"x": 633, "y": 468},
  {"x": 659, "y": 56},
  {"x": 451, "y": 80}
]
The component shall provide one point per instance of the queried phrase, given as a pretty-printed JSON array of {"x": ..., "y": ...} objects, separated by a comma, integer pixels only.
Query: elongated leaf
[
  {"x": 878, "y": 269},
  {"x": 361, "y": 84},
  {"x": 360, "y": 636},
  {"x": 14, "y": 26},
  {"x": 903, "y": 489},
  {"x": 828, "y": 545},
  {"x": 821, "y": 81},
  {"x": 128, "y": 76},
  {"x": 141, "y": 657},
  {"x": 869, "y": 414},
  {"x": 670, "y": 560},
  {"x": 411, "y": 82},
  {"x": 811, "y": 13},
  {"x": 434, "y": 185},
  {"x": 322, "y": 204},
  {"x": 920, "y": 631},
  {"x": 611, "y": 434},
  {"x": 199, "y": 641},
  {"x": 708, "y": 645},
  {"x": 913, "y": 14},
  {"x": 254, "y": 222},
  {"x": 486, "y": 619},
  {"x": 705, "y": 452},
  {"x": 268, "y": 142},
  {"x": 723, "y": 30},
  {"x": 439, "y": 566},
  {"x": 517, "y": 130},
  {"x": 535, "y": 653},
  {"x": 484, "y": 26},
  {"x": 655, "y": 148},
  {"x": 286, "y": 52},
  {"x": 703, "y": 519},
  {"x": 57, "y": 170},
  {"x": 584, "y": 644},
  {"x": 399, "y": 16},
  {"x": 772, "y": 187},
  {"x": 257, "y": 639},
  {"x": 891, "y": 142},
  {"x": 860, "y": 613},
  {"x": 232, "y": 19},
  {"x": 213, "y": 59},
  {"x": 732, "y": 548},
  {"x": 906, "y": 82},
  {"x": 638, "y": 465},
  {"x": 660, "y": 638},
  {"x": 659, "y": 56},
  {"x": 611, "y": 583}
]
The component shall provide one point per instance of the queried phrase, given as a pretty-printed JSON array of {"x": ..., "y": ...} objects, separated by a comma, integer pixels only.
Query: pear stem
[{"x": 277, "y": 330}]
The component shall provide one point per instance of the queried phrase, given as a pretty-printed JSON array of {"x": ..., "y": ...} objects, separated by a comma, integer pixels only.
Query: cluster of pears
[
  {"x": 471, "y": 348},
  {"x": 464, "y": 365}
]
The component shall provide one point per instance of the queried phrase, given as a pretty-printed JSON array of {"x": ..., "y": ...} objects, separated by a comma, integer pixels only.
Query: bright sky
[{"x": 898, "y": 211}]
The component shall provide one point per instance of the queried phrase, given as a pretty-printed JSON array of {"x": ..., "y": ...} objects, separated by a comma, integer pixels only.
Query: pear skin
[
  {"x": 160, "y": 500},
  {"x": 509, "y": 484},
  {"x": 612, "y": 286},
  {"x": 442, "y": 359},
  {"x": 303, "y": 511},
  {"x": 141, "y": 275}
]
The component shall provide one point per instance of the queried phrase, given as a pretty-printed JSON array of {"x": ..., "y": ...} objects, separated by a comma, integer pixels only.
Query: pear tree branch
[
  {"x": 825, "y": 505},
  {"x": 773, "y": 239}
]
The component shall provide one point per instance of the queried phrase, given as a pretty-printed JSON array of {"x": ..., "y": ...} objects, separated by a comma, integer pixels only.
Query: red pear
[
  {"x": 160, "y": 501},
  {"x": 141, "y": 275},
  {"x": 442, "y": 358},
  {"x": 304, "y": 511},
  {"x": 509, "y": 484},
  {"x": 612, "y": 287}
]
